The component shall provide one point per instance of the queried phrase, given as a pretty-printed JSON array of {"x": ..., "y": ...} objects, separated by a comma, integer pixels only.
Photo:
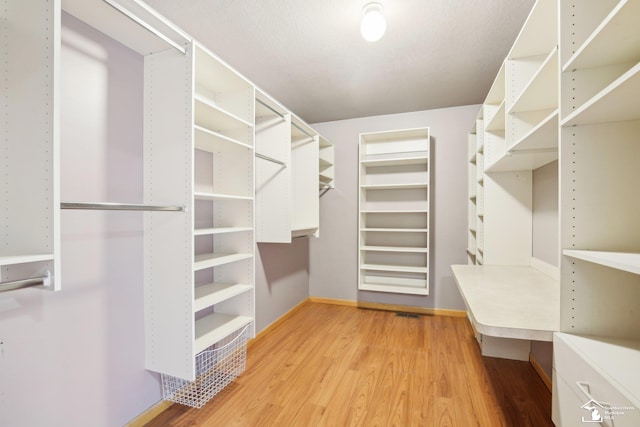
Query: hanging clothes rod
[
  {"x": 301, "y": 130},
  {"x": 24, "y": 283},
  {"x": 271, "y": 159},
  {"x": 145, "y": 25},
  {"x": 118, "y": 207},
  {"x": 270, "y": 108}
]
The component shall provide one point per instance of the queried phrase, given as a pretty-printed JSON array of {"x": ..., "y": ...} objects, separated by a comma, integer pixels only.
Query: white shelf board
[
  {"x": 539, "y": 34},
  {"x": 394, "y": 249},
  {"x": 626, "y": 261},
  {"x": 212, "y": 328},
  {"x": 497, "y": 122},
  {"x": 413, "y": 290},
  {"x": 210, "y": 116},
  {"x": 216, "y": 259},
  {"x": 211, "y": 141},
  {"x": 213, "y": 293},
  {"x": 617, "y": 360},
  {"x": 220, "y": 230},
  {"x": 416, "y": 185},
  {"x": 495, "y": 95},
  {"x": 524, "y": 160},
  {"x": 614, "y": 41},
  {"x": 22, "y": 259},
  {"x": 200, "y": 195},
  {"x": 541, "y": 92},
  {"x": 615, "y": 103},
  {"x": 510, "y": 301},
  {"x": 400, "y": 161},
  {"x": 395, "y": 268},
  {"x": 543, "y": 135},
  {"x": 395, "y": 211},
  {"x": 396, "y": 230}
]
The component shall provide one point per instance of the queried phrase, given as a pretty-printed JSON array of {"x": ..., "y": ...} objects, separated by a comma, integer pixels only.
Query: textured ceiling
[{"x": 309, "y": 55}]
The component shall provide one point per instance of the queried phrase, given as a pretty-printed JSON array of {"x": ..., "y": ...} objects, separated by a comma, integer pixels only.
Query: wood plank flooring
[{"x": 331, "y": 365}]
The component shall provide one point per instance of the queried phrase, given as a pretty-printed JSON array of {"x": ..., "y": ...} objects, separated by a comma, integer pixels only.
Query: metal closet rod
[
  {"x": 20, "y": 284},
  {"x": 270, "y": 108},
  {"x": 118, "y": 207},
  {"x": 278, "y": 113},
  {"x": 145, "y": 25},
  {"x": 271, "y": 159}
]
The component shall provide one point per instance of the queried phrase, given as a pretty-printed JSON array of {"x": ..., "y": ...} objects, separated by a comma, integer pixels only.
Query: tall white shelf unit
[
  {"x": 394, "y": 205},
  {"x": 29, "y": 144},
  {"x": 199, "y": 148},
  {"x": 305, "y": 170},
  {"x": 597, "y": 351},
  {"x": 516, "y": 132}
]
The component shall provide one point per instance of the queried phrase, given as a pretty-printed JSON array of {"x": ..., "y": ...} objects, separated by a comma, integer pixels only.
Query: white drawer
[{"x": 578, "y": 385}]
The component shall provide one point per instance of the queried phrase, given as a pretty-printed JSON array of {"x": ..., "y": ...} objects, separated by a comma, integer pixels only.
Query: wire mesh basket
[{"x": 216, "y": 367}]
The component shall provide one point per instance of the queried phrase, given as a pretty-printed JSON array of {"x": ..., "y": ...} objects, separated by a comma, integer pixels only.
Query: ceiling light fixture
[{"x": 373, "y": 23}]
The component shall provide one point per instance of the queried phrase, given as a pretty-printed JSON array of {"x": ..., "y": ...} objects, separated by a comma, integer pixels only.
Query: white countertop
[{"x": 510, "y": 301}]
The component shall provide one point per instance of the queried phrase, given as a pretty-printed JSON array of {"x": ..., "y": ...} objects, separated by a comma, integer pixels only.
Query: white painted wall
[
  {"x": 546, "y": 226},
  {"x": 333, "y": 259}
]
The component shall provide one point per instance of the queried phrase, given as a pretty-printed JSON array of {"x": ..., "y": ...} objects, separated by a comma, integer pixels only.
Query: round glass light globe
[{"x": 373, "y": 24}]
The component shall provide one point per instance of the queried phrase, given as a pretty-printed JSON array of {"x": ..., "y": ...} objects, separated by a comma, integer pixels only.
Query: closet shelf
[
  {"x": 394, "y": 249},
  {"x": 497, "y": 122},
  {"x": 614, "y": 41},
  {"x": 541, "y": 92},
  {"x": 216, "y": 259},
  {"x": 617, "y": 102},
  {"x": 213, "y": 293},
  {"x": 407, "y": 286},
  {"x": 212, "y": 328},
  {"x": 209, "y": 116},
  {"x": 395, "y": 211},
  {"x": 409, "y": 186},
  {"x": 395, "y": 268},
  {"x": 510, "y": 301},
  {"x": 401, "y": 160},
  {"x": 209, "y": 140},
  {"x": 396, "y": 229},
  {"x": 220, "y": 230},
  {"x": 625, "y": 261},
  {"x": 23, "y": 259},
  {"x": 200, "y": 195}
]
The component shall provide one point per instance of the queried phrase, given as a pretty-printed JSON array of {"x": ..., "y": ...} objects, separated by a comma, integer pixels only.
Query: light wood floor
[{"x": 330, "y": 365}]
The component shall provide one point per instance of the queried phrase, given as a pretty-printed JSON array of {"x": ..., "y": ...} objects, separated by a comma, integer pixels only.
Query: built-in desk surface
[{"x": 510, "y": 301}]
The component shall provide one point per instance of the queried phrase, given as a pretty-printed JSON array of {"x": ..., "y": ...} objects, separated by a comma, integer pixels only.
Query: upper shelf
[
  {"x": 614, "y": 41},
  {"x": 616, "y": 102},
  {"x": 539, "y": 34}
]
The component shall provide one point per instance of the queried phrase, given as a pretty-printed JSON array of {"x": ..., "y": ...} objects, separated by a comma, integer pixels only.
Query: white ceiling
[{"x": 309, "y": 55}]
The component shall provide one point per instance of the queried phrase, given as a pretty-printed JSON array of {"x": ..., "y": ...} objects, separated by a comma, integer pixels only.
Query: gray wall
[{"x": 333, "y": 260}]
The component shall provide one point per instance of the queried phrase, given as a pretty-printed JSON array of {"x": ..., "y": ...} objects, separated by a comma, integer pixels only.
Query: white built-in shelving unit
[
  {"x": 199, "y": 149},
  {"x": 600, "y": 237},
  {"x": 516, "y": 132},
  {"x": 292, "y": 162},
  {"x": 204, "y": 124},
  {"x": 571, "y": 97},
  {"x": 29, "y": 144},
  {"x": 394, "y": 211}
]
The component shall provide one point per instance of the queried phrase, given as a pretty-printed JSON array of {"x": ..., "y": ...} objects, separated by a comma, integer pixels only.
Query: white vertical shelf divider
[
  {"x": 393, "y": 225},
  {"x": 305, "y": 146}
]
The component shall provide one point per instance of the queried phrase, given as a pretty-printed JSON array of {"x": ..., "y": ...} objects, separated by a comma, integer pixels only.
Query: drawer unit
[{"x": 586, "y": 390}]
